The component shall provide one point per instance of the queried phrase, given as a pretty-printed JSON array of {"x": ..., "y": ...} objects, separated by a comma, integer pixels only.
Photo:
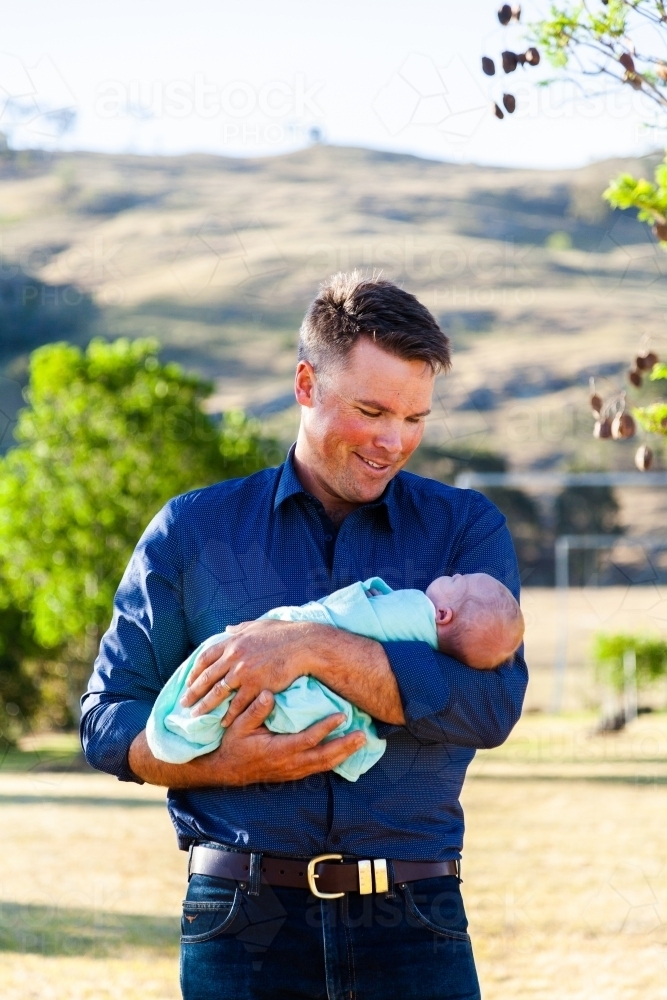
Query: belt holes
[
  {"x": 263, "y": 869},
  {"x": 300, "y": 874},
  {"x": 282, "y": 871},
  {"x": 245, "y": 868}
]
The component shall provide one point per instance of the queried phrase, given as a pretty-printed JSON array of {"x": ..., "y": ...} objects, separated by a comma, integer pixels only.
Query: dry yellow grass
[
  {"x": 565, "y": 874},
  {"x": 588, "y": 610}
]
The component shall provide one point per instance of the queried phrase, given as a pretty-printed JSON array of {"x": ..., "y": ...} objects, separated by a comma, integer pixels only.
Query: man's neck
[{"x": 336, "y": 507}]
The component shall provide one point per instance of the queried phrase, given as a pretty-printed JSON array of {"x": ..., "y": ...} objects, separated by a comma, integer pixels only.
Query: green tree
[
  {"x": 653, "y": 418},
  {"x": 19, "y": 689},
  {"x": 609, "y": 42},
  {"x": 110, "y": 434},
  {"x": 595, "y": 44}
]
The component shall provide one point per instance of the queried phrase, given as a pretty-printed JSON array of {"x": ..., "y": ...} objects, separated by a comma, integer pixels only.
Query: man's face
[{"x": 361, "y": 422}]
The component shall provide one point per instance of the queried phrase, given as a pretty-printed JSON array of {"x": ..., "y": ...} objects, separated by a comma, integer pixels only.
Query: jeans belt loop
[
  {"x": 190, "y": 850},
  {"x": 255, "y": 873},
  {"x": 390, "y": 894}
]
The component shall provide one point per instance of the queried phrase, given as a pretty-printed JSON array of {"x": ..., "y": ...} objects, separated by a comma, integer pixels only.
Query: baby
[
  {"x": 477, "y": 619},
  {"x": 473, "y": 618}
]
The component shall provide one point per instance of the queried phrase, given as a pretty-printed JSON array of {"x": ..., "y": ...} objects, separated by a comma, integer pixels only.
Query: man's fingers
[
  {"x": 255, "y": 714},
  {"x": 238, "y": 704},
  {"x": 204, "y": 660},
  {"x": 311, "y": 737},
  {"x": 331, "y": 754},
  {"x": 218, "y": 693},
  {"x": 209, "y": 680}
]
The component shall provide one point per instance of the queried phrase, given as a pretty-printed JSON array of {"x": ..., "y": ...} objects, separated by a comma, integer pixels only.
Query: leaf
[{"x": 110, "y": 434}]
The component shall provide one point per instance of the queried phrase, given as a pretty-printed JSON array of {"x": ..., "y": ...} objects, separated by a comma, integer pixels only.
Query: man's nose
[{"x": 390, "y": 438}]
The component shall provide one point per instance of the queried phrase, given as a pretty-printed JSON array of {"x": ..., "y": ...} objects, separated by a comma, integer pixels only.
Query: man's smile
[{"x": 374, "y": 465}]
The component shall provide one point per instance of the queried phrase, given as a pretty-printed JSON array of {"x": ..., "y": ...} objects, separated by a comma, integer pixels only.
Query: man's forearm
[
  {"x": 249, "y": 753},
  {"x": 195, "y": 774},
  {"x": 358, "y": 669}
]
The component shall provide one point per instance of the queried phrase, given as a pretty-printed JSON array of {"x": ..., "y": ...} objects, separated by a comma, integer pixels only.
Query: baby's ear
[{"x": 444, "y": 616}]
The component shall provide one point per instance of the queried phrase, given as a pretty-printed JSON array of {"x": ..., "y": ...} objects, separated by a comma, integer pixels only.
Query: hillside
[{"x": 537, "y": 283}]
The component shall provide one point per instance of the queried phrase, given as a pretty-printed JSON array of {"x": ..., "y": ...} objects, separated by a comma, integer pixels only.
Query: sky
[{"x": 261, "y": 77}]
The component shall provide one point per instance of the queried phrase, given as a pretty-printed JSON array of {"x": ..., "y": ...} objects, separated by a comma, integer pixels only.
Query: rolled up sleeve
[
  {"x": 144, "y": 644},
  {"x": 446, "y": 701}
]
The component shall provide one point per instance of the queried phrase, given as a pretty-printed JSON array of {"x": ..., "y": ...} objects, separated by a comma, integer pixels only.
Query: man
[{"x": 381, "y": 915}]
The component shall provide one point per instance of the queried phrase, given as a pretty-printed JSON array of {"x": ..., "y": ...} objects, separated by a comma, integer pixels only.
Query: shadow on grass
[
  {"x": 79, "y": 800},
  {"x": 50, "y": 930},
  {"x": 604, "y": 779}
]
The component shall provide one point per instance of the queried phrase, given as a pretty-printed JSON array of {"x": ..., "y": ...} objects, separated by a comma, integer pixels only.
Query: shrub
[{"x": 651, "y": 654}]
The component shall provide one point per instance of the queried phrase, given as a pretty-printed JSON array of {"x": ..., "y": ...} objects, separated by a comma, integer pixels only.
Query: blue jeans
[{"x": 284, "y": 943}]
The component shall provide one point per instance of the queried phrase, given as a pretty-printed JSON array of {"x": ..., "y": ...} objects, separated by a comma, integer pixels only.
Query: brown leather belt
[{"x": 334, "y": 876}]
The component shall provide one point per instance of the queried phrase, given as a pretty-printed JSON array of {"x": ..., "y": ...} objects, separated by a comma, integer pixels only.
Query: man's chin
[{"x": 365, "y": 492}]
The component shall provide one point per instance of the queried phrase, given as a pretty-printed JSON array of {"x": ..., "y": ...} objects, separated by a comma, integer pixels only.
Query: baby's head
[{"x": 477, "y": 619}]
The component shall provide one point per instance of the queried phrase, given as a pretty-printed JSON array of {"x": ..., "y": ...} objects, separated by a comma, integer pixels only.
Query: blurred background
[{"x": 174, "y": 185}]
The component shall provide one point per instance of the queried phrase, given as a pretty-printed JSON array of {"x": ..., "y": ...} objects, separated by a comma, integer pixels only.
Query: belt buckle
[{"x": 312, "y": 875}]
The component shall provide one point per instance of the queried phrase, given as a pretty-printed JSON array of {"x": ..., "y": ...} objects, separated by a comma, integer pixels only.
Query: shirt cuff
[
  {"x": 422, "y": 686},
  {"x": 107, "y": 733}
]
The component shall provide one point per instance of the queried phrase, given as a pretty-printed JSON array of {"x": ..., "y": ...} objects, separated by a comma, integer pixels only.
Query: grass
[
  {"x": 43, "y": 751},
  {"x": 565, "y": 872}
]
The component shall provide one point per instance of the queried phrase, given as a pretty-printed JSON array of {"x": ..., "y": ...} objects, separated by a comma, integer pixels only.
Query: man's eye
[{"x": 366, "y": 413}]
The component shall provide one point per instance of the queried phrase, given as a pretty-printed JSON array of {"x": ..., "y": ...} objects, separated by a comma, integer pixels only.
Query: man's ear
[
  {"x": 444, "y": 616},
  {"x": 305, "y": 382}
]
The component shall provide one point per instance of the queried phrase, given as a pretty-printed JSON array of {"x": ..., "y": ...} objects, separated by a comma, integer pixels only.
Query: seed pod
[
  {"x": 505, "y": 14},
  {"x": 627, "y": 62},
  {"x": 660, "y": 231},
  {"x": 532, "y": 56},
  {"x": 488, "y": 66},
  {"x": 644, "y": 458},
  {"x": 510, "y": 61},
  {"x": 509, "y": 103},
  {"x": 496, "y": 110},
  {"x": 635, "y": 377},
  {"x": 622, "y": 426},
  {"x": 596, "y": 400},
  {"x": 645, "y": 362},
  {"x": 633, "y": 79},
  {"x": 602, "y": 428}
]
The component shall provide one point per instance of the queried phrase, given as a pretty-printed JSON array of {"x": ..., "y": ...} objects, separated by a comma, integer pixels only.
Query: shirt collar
[{"x": 289, "y": 485}]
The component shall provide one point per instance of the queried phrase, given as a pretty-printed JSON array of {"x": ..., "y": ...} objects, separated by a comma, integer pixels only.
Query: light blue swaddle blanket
[{"x": 174, "y": 736}]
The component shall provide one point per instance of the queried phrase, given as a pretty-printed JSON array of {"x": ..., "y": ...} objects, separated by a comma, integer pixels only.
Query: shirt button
[
  {"x": 327, "y": 538},
  {"x": 335, "y": 839}
]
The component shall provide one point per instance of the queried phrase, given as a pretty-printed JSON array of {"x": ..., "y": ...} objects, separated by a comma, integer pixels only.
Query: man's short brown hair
[{"x": 350, "y": 306}]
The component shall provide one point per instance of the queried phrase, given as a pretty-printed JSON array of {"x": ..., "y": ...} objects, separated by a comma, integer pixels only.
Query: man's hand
[
  {"x": 261, "y": 655},
  {"x": 270, "y": 655},
  {"x": 249, "y": 753}
]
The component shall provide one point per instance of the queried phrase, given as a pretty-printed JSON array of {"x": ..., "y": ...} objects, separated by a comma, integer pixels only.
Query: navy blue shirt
[{"x": 229, "y": 553}]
